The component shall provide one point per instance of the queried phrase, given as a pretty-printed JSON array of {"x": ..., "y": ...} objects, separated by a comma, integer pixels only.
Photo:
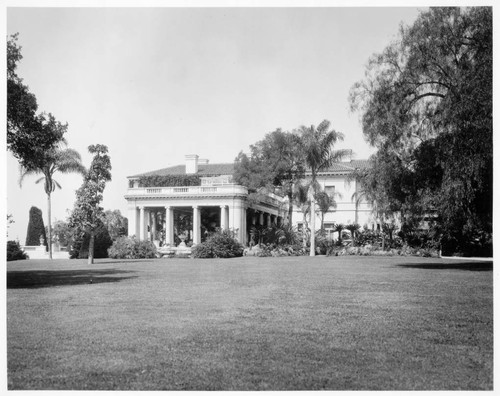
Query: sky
[{"x": 155, "y": 84}]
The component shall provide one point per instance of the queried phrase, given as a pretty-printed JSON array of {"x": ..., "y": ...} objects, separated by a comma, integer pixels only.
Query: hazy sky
[{"x": 155, "y": 84}]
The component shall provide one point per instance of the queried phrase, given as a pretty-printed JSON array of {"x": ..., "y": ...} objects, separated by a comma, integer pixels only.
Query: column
[
  {"x": 132, "y": 221},
  {"x": 169, "y": 225},
  {"x": 243, "y": 232},
  {"x": 261, "y": 218},
  {"x": 268, "y": 219},
  {"x": 196, "y": 225},
  {"x": 147, "y": 232},
  {"x": 223, "y": 217},
  {"x": 153, "y": 228},
  {"x": 141, "y": 223},
  {"x": 236, "y": 220}
]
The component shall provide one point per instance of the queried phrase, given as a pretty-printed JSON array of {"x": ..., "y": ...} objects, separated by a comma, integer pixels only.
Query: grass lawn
[{"x": 302, "y": 323}]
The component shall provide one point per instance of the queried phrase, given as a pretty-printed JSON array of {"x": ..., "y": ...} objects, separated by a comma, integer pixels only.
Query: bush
[
  {"x": 220, "y": 244},
  {"x": 14, "y": 251},
  {"x": 131, "y": 248}
]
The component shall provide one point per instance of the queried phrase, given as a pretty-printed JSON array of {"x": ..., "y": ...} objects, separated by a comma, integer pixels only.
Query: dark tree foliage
[
  {"x": 275, "y": 161},
  {"x": 116, "y": 224},
  {"x": 29, "y": 136},
  {"x": 102, "y": 242},
  {"x": 426, "y": 104},
  {"x": 36, "y": 229}
]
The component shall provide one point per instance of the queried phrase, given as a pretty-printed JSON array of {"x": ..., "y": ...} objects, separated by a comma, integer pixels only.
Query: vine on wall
[{"x": 170, "y": 181}]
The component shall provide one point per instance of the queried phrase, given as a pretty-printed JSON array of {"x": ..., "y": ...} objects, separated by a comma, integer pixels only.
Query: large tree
[
  {"x": 29, "y": 135},
  {"x": 317, "y": 143},
  {"x": 275, "y": 161},
  {"x": 426, "y": 104},
  {"x": 87, "y": 215},
  {"x": 56, "y": 160}
]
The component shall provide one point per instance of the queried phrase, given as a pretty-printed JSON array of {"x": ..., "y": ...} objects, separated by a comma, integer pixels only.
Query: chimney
[
  {"x": 191, "y": 164},
  {"x": 202, "y": 162}
]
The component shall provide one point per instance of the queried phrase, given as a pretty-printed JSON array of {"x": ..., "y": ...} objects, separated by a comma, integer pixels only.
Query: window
[{"x": 330, "y": 190}]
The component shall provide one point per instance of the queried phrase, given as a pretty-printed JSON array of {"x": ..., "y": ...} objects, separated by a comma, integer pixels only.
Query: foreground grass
[{"x": 299, "y": 323}]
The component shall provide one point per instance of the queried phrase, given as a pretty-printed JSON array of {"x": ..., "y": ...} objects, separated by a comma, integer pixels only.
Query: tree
[
  {"x": 426, "y": 104},
  {"x": 116, "y": 224},
  {"x": 62, "y": 233},
  {"x": 317, "y": 143},
  {"x": 87, "y": 215},
  {"x": 102, "y": 242},
  {"x": 353, "y": 229},
  {"x": 338, "y": 228},
  {"x": 29, "y": 136},
  {"x": 35, "y": 235},
  {"x": 301, "y": 199},
  {"x": 56, "y": 160},
  {"x": 325, "y": 202},
  {"x": 275, "y": 161}
]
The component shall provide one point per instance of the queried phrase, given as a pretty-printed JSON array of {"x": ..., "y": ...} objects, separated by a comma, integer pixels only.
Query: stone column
[
  {"x": 261, "y": 218},
  {"x": 147, "y": 232},
  {"x": 268, "y": 220},
  {"x": 141, "y": 223},
  {"x": 169, "y": 225},
  {"x": 153, "y": 228},
  {"x": 236, "y": 220},
  {"x": 223, "y": 217},
  {"x": 196, "y": 225},
  {"x": 132, "y": 221}
]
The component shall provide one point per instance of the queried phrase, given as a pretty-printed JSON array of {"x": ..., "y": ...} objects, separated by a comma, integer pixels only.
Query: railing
[{"x": 191, "y": 190}]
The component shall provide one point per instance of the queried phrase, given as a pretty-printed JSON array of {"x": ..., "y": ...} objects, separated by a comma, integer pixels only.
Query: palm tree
[
  {"x": 60, "y": 160},
  {"x": 319, "y": 155},
  {"x": 338, "y": 228},
  {"x": 325, "y": 202},
  {"x": 301, "y": 199},
  {"x": 353, "y": 228}
]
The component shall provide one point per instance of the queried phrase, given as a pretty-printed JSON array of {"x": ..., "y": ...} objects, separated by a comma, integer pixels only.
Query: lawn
[{"x": 291, "y": 323}]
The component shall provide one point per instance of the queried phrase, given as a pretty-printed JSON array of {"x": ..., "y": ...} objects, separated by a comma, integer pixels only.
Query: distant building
[{"x": 165, "y": 213}]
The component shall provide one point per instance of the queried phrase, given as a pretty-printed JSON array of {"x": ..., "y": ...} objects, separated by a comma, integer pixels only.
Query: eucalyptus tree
[
  {"x": 62, "y": 160},
  {"x": 317, "y": 144}
]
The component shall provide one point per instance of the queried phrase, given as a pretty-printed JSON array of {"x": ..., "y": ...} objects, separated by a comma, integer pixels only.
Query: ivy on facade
[{"x": 170, "y": 181}]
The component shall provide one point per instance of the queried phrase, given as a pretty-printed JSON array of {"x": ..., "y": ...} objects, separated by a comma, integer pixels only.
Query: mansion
[{"x": 166, "y": 212}]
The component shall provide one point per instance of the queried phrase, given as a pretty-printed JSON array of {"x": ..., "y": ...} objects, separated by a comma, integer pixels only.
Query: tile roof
[
  {"x": 342, "y": 167},
  {"x": 228, "y": 169},
  {"x": 203, "y": 170}
]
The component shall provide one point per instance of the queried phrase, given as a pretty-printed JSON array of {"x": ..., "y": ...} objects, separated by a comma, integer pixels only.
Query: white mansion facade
[{"x": 162, "y": 214}]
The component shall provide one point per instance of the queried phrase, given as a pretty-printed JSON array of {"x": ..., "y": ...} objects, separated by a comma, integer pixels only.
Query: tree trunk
[
  {"x": 290, "y": 207},
  {"x": 91, "y": 248},
  {"x": 312, "y": 251},
  {"x": 49, "y": 225}
]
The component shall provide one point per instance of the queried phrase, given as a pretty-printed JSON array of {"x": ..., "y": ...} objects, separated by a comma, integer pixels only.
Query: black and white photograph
[{"x": 249, "y": 196}]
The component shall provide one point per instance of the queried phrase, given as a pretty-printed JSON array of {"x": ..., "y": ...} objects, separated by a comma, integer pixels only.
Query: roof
[
  {"x": 347, "y": 167},
  {"x": 228, "y": 169},
  {"x": 203, "y": 170}
]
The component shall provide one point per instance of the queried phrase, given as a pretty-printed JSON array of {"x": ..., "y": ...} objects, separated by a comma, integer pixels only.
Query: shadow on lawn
[
  {"x": 465, "y": 266},
  {"x": 37, "y": 279}
]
